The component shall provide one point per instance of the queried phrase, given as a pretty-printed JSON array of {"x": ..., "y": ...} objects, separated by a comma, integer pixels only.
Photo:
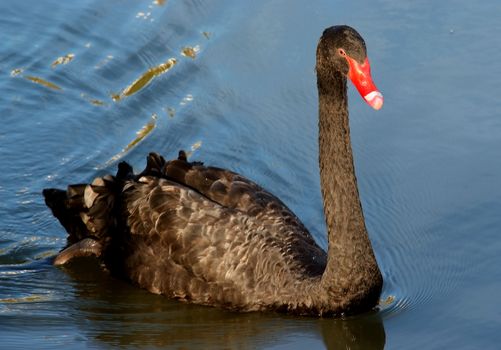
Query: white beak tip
[{"x": 374, "y": 99}]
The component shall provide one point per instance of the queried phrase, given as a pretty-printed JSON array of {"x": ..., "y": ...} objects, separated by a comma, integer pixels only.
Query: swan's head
[{"x": 342, "y": 49}]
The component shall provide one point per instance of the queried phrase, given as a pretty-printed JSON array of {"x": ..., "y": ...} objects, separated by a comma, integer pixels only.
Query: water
[{"x": 84, "y": 84}]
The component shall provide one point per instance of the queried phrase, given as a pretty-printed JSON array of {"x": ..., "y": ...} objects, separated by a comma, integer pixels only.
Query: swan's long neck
[{"x": 352, "y": 270}]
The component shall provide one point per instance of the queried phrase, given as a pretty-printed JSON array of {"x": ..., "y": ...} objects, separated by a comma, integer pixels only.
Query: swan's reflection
[
  {"x": 115, "y": 313},
  {"x": 361, "y": 332}
]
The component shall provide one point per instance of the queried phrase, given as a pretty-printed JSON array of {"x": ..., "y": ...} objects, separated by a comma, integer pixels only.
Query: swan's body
[{"x": 210, "y": 236}]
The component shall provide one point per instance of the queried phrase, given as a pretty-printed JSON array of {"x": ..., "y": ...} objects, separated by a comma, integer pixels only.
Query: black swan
[{"x": 210, "y": 236}]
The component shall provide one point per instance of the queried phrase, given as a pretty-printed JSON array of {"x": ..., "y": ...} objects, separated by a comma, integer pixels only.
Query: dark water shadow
[
  {"x": 112, "y": 312},
  {"x": 361, "y": 332}
]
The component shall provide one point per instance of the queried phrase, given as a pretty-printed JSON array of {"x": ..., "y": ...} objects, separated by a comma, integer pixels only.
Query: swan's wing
[
  {"x": 233, "y": 191},
  {"x": 185, "y": 245},
  {"x": 222, "y": 186},
  {"x": 170, "y": 196}
]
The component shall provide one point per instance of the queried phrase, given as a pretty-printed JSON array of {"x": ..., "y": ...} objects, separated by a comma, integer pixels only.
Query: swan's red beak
[{"x": 360, "y": 75}]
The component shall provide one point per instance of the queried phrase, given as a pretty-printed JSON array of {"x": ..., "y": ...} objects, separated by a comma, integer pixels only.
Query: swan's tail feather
[
  {"x": 154, "y": 165},
  {"x": 89, "y": 210},
  {"x": 92, "y": 213},
  {"x": 64, "y": 206}
]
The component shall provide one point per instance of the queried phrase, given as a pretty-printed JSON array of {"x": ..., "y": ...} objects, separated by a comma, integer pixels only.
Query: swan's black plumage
[{"x": 210, "y": 236}]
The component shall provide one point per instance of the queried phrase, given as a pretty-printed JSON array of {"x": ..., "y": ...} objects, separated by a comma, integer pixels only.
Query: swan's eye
[{"x": 341, "y": 52}]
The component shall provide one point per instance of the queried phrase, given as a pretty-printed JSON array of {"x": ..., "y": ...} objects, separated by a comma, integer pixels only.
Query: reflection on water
[
  {"x": 190, "y": 51},
  {"x": 147, "y": 319},
  {"x": 234, "y": 84},
  {"x": 140, "y": 135},
  {"x": 18, "y": 72},
  {"x": 93, "y": 101},
  {"x": 145, "y": 79},
  {"x": 362, "y": 332},
  {"x": 42, "y": 82},
  {"x": 63, "y": 60}
]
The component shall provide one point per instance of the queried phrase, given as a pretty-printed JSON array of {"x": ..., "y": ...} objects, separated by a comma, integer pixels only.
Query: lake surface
[{"x": 86, "y": 84}]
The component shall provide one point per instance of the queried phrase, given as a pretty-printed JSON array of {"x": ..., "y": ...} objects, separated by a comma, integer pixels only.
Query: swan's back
[{"x": 195, "y": 233}]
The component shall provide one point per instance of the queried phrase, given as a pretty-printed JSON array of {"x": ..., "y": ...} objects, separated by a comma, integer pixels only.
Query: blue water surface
[{"x": 85, "y": 84}]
